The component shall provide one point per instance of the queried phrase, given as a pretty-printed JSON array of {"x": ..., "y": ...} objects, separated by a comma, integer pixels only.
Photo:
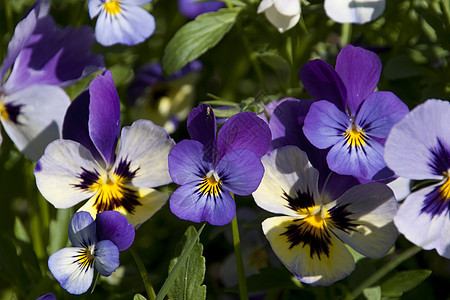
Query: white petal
[
  {"x": 42, "y": 109},
  {"x": 67, "y": 271},
  {"x": 287, "y": 170},
  {"x": 57, "y": 173},
  {"x": 264, "y": 5},
  {"x": 287, "y": 7},
  {"x": 324, "y": 271},
  {"x": 401, "y": 187},
  {"x": 280, "y": 21},
  {"x": 354, "y": 11},
  {"x": 146, "y": 146}
]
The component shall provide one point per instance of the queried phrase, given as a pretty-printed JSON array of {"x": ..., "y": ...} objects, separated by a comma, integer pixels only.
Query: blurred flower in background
[
  {"x": 354, "y": 11},
  {"x": 283, "y": 14},
  {"x": 121, "y": 22},
  {"x": 192, "y": 8},
  {"x": 165, "y": 101}
]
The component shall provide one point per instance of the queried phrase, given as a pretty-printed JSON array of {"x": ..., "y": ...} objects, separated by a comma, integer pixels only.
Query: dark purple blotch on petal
[
  {"x": 437, "y": 202},
  {"x": 192, "y": 8},
  {"x": 201, "y": 125},
  {"x": 440, "y": 161},
  {"x": 13, "y": 111},
  {"x": 111, "y": 225}
]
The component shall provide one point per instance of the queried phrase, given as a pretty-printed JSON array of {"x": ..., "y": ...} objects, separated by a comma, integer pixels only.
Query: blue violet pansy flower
[
  {"x": 418, "y": 148},
  {"x": 121, "y": 21},
  {"x": 350, "y": 119},
  {"x": 208, "y": 168},
  {"x": 310, "y": 236},
  {"x": 96, "y": 245},
  {"x": 192, "y": 8},
  {"x": 84, "y": 164},
  {"x": 43, "y": 58}
]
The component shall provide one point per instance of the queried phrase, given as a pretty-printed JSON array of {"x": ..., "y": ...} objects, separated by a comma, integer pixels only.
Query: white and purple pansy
[
  {"x": 121, "y": 21},
  {"x": 97, "y": 244},
  {"x": 84, "y": 164},
  {"x": 418, "y": 148},
  {"x": 42, "y": 58},
  {"x": 310, "y": 236},
  {"x": 349, "y": 118},
  {"x": 208, "y": 169}
]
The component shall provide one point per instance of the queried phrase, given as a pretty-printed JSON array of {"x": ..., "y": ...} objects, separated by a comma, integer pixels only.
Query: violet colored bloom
[
  {"x": 208, "y": 168},
  {"x": 121, "y": 21},
  {"x": 418, "y": 148},
  {"x": 310, "y": 236},
  {"x": 192, "y": 8},
  {"x": 350, "y": 119},
  {"x": 165, "y": 101},
  {"x": 96, "y": 245},
  {"x": 84, "y": 164},
  {"x": 43, "y": 59},
  {"x": 48, "y": 296}
]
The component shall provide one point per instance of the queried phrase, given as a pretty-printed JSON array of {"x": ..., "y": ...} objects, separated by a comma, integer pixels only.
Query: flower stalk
[
  {"x": 144, "y": 275},
  {"x": 239, "y": 262}
]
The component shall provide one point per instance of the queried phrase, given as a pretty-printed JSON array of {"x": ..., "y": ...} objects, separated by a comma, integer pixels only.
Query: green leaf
[
  {"x": 20, "y": 231},
  {"x": 139, "y": 297},
  {"x": 180, "y": 266},
  {"x": 11, "y": 266},
  {"x": 277, "y": 63},
  {"x": 403, "y": 282},
  {"x": 372, "y": 293},
  {"x": 196, "y": 37},
  {"x": 187, "y": 284},
  {"x": 58, "y": 230}
]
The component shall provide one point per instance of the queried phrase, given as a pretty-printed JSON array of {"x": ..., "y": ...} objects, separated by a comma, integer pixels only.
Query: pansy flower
[
  {"x": 96, "y": 246},
  {"x": 418, "y": 148},
  {"x": 121, "y": 21},
  {"x": 192, "y": 8},
  {"x": 42, "y": 58},
  {"x": 350, "y": 119},
  {"x": 311, "y": 235},
  {"x": 166, "y": 101},
  {"x": 208, "y": 169},
  {"x": 354, "y": 11},
  {"x": 84, "y": 164},
  {"x": 283, "y": 14}
]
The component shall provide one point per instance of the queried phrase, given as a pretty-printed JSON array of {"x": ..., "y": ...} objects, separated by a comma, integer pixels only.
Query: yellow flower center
[
  {"x": 211, "y": 184},
  {"x": 355, "y": 136},
  {"x": 86, "y": 257},
  {"x": 445, "y": 188},
  {"x": 3, "y": 112},
  {"x": 112, "y": 7}
]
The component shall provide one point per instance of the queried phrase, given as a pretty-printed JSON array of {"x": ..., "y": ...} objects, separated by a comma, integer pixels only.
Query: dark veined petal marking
[
  {"x": 355, "y": 138},
  {"x": 301, "y": 201},
  {"x": 210, "y": 186},
  {"x": 437, "y": 201},
  {"x": 85, "y": 258},
  {"x": 440, "y": 161},
  {"x": 10, "y": 112}
]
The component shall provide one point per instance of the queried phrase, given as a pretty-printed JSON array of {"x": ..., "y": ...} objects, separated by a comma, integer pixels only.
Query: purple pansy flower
[
  {"x": 96, "y": 245},
  {"x": 121, "y": 21},
  {"x": 208, "y": 168},
  {"x": 192, "y": 8},
  {"x": 166, "y": 101},
  {"x": 84, "y": 164},
  {"x": 418, "y": 148},
  {"x": 351, "y": 120},
  {"x": 316, "y": 223},
  {"x": 43, "y": 58}
]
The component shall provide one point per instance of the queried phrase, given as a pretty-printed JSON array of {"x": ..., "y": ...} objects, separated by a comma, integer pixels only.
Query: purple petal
[
  {"x": 187, "y": 163},
  {"x": 75, "y": 126},
  {"x": 323, "y": 83},
  {"x": 379, "y": 112},
  {"x": 55, "y": 56},
  {"x": 241, "y": 171},
  {"x": 82, "y": 231},
  {"x": 188, "y": 203},
  {"x": 48, "y": 296},
  {"x": 360, "y": 71},
  {"x": 201, "y": 125},
  {"x": 243, "y": 131},
  {"x": 111, "y": 225},
  {"x": 106, "y": 257},
  {"x": 104, "y": 115},
  {"x": 192, "y": 8},
  {"x": 336, "y": 185}
]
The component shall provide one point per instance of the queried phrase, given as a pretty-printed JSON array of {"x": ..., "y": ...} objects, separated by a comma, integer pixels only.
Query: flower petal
[
  {"x": 106, "y": 257},
  {"x": 371, "y": 208},
  {"x": 39, "y": 119},
  {"x": 323, "y": 83},
  {"x": 244, "y": 131},
  {"x": 189, "y": 203},
  {"x": 104, "y": 115},
  {"x": 354, "y": 11},
  {"x": 282, "y": 22},
  {"x": 410, "y": 145},
  {"x": 201, "y": 125},
  {"x": 192, "y": 8},
  {"x": 360, "y": 71},
  {"x": 288, "y": 173},
  {"x": 111, "y": 225},
  {"x": 82, "y": 230},
  {"x": 67, "y": 270},
  {"x": 58, "y": 173},
  {"x": 287, "y": 7},
  {"x": 241, "y": 171},
  {"x": 146, "y": 147},
  {"x": 130, "y": 26},
  {"x": 313, "y": 270}
]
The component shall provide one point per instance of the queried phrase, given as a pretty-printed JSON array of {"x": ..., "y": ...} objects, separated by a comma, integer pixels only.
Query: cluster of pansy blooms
[{"x": 321, "y": 164}]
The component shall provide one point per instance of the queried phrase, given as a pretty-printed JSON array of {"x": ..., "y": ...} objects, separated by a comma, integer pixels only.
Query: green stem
[
  {"x": 346, "y": 34},
  {"x": 408, "y": 253},
  {"x": 239, "y": 263},
  {"x": 144, "y": 275}
]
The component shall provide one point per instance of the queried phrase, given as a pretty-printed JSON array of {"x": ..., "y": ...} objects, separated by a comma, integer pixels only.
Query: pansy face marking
[
  {"x": 85, "y": 258},
  {"x": 211, "y": 185},
  {"x": 10, "y": 112},
  {"x": 112, "y": 7},
  {"x": 355, "y": 136}
]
